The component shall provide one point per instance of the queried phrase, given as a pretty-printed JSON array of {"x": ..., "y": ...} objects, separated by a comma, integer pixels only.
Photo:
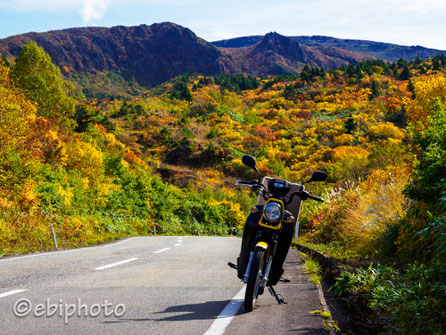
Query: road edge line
[
  {"x": 223, "y": 320},
  {"x": 7, "y": 294}
]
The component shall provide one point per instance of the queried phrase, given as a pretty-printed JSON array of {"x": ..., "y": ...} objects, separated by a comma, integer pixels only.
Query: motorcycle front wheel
[{"x": 254, "y": 280}]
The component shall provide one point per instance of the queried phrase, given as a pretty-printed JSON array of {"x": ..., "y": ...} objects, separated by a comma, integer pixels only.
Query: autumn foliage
[{"x": 165, "y": 161}]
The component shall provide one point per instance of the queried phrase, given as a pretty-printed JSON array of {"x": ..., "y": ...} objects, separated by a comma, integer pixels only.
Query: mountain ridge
[
  {"x": 150, "y": 55},
  {"x": 386, "y": 51}
]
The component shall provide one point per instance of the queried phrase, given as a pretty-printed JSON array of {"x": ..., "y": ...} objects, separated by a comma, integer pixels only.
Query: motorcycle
[{"x": 268, "y": 232}]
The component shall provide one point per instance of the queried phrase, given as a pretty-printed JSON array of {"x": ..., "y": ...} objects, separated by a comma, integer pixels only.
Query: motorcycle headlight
[{"x": 272, "y": 211}]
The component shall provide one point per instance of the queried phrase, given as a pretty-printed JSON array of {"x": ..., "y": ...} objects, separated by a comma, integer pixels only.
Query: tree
[
  {"x": 411, "y": 88},
  {"x": 402, "y": 63},
  {"x": 305, "y": 74},
  {"x": 418, "y": 61},
  {"x": 429, "y": 181},
  {"x": 405, "y": 74},
  {"x": 43, "y": 84},
  {"x": 350, "y": 124},
  {"x": 374, "y": 90},
  {"x": 181, "y": 91}
]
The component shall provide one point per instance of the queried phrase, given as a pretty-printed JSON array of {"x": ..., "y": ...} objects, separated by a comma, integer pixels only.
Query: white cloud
[{"x": 93, "y": 10}]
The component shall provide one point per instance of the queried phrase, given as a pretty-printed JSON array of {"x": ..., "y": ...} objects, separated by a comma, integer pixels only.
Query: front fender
[{"x": 262, "y": 245}]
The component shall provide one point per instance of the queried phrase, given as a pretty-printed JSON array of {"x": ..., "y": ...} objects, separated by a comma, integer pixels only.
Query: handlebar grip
[
  {"x": 315, "y": 198},
  {"x": 243, "y": 182}
]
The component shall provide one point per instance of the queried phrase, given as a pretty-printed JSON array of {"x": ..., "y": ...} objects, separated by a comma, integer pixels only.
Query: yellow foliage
[
  {"x": 428, "y": 89},
  {"x": 386, "y": 130},
  {"x": 86, "y": 159},
  {"x": 66, "y": 194},
  {"x": 84, "y": 183},
  {"x": 28, "y": 190},
  {"x": 102, "y": 192},
  {"x": 393, "y": 104},
  {"x": 344, "y": 139},
  {"x": 237, "y": 213},
  {"x": 348, "y": 162},
  {"x": 343, "y": 153},
  {"x": 17, "y": 116},
  {"x": 4, "y": 73},
  {"x": 363, "y": 119}
]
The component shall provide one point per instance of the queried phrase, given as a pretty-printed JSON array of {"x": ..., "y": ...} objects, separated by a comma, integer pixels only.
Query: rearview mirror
[
  {"x": 317, "y": 176},
  {"x": 250, "y": 162}
]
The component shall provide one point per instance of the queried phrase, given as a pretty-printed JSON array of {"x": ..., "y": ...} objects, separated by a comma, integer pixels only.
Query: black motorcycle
[{"x": 268, "y": 232}]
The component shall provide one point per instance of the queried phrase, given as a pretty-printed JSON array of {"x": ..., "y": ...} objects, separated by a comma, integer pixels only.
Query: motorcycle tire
[{"x": 254, "y": 280}]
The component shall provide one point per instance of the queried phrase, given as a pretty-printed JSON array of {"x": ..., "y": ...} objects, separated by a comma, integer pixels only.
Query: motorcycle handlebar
[
  {"x": 304, "y": 196},
  {"x": 243, "y": 182},
  {"x": 249, "y": 183},
  {"x": 315, "y": 198},
  {"x": 246, "y": 182}
]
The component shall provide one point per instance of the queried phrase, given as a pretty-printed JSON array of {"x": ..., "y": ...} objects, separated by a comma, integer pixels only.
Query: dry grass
[{"x": 380, "y": 203}]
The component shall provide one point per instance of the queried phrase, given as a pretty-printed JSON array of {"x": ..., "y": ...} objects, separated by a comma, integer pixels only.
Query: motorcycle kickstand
[
  {"x": 278, "y": 297},
  {"x": 232, "y": 265}
]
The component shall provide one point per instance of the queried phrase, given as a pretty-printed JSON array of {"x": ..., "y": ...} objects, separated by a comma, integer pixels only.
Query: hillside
[
  {"x": 165, "y": 162},
  {"x": 386, "y": 51},
  {"x": 150, "y": 55},
  {"x": 147, "y": 55},
  {"x": 122, "y": 61},
  {"x": 275, "y": 54}
]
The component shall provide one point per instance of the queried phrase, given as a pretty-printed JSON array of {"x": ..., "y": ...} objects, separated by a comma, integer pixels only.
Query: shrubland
[
  {"x": 88, "y": 184},
  {"x": 164, "y": 162}
]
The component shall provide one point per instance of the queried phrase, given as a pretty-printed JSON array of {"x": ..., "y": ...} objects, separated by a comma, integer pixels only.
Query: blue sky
[{"x": 406, "y": 22}]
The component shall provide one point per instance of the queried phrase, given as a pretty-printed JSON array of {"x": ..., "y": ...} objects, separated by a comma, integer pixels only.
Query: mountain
[
  {"x": 153, "y": 54},
  {"x": 149, "y": 55},
  {"x": 386, "y": 51},
  {"x": 275, "y": 54}
]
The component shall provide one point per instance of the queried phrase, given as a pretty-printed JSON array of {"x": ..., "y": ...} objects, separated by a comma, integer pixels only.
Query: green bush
[{"x": 414, "y": 301}]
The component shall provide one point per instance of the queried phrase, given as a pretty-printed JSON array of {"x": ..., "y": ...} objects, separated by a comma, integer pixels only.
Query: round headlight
[{"x": 272, "y": 211}]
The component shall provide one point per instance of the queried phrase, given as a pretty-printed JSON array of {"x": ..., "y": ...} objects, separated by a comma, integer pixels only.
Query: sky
[{"x": 405, "y": 22}]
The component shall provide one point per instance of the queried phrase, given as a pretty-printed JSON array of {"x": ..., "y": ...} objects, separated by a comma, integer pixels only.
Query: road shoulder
[{"x": 294, "y": 317}]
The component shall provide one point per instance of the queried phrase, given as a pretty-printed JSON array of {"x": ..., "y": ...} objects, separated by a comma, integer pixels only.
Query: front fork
[{"x": 272, "y": 252}]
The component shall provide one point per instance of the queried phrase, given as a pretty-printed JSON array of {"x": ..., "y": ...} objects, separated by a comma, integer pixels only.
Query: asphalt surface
[{"x": 146, "y": 285}]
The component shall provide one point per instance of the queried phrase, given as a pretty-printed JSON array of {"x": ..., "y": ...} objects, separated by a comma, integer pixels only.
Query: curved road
[{"x": 147, "y": 285}]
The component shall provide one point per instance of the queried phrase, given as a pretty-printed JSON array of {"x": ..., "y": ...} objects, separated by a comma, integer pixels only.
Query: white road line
[
  {"x": 219, "y": 326},
  {"x": 64, "y": 251},
  {"x": 115, "y": 264},
  {"x": 176, "y": 245},
  {"x": 2, "y": 295},
  {"x": 162, "y": 250},
  {"x": 113, "y": 244}
]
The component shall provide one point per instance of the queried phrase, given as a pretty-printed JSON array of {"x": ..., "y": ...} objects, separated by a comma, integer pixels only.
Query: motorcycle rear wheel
[{"x": 254, "y": 280}]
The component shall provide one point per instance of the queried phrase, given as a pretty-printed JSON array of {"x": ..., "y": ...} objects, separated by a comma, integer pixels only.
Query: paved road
[{"x": 168, "y": 285}]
